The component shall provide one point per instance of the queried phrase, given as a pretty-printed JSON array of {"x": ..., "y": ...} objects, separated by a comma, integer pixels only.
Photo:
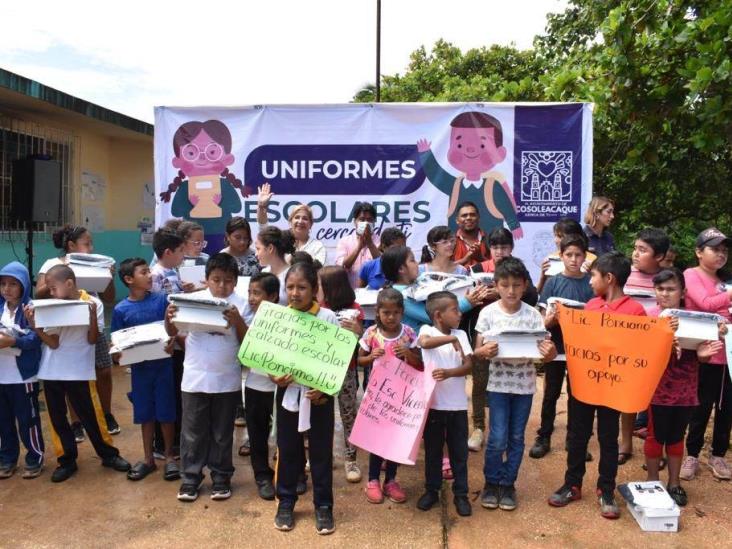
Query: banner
[
  {"x": 615, "y": 360},
  {"x": 284, "y": 341},
  {"x": 393, "y": 411},
  {"x": 524, "y": 166}
]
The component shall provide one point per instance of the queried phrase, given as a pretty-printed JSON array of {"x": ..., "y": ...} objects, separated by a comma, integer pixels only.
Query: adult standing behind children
[
  {"x": 705, "y": 292},
  {"x": 598, "y": 218},
  {"x": 471, "y": 244},
  {"x": 301, "y": 224},
  {"x": 361, "y": 245},
  {"x": 78, "y": 239}
]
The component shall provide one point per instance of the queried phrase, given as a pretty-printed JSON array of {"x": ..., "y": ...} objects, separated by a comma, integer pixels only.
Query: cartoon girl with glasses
[{"x": 205, "y": 190}]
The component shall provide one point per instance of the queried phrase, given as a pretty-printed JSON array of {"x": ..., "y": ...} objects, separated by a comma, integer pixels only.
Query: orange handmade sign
[{"x": 615, "y": 360}]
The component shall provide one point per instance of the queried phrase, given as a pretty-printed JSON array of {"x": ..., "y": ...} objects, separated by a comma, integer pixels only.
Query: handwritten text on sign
[
  {"x": 615, "y": 360},
  {"x": 393, "y": 411},
  {"x": 284, "y": 341}
]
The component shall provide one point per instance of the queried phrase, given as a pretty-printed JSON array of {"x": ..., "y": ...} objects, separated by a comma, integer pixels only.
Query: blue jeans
[{"x": 508, "y": 416}]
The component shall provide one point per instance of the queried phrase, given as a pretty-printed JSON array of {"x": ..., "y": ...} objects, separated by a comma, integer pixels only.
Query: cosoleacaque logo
[{"x": 358, "y": 170}]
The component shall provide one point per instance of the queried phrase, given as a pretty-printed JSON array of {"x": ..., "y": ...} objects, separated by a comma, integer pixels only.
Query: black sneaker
[
  {"x": 220, "y": 490},
  {"x": 302, "y": 485},
  {"x": 324, "y": 523},
  {"x": 565, "y": 495},
  {"x": 540, "y": 448},
  {"x": 284, "y": 519},
  {"x": 63, "y": 472},
  {"x": 118, "y": 463},
  {"x": 78, "y": 432},
  {"x": 188, "y": 492},
  {"x": 427, "y": 500},
  {"x": 678, "y": 494},
  {"x": 112, "y": 425},
  {"x": 462, "y": 506},
  {"x": 507, "y": 499},
  {"x": 608, "y": 508},
  {"x": 266, "y": 489},
  {"x": 489, "y": 497}
]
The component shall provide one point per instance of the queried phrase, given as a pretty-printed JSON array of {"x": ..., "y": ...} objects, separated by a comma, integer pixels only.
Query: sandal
[
  {"x": 623, "y": 457},
  {"x": 171, "y": 471},
  {"x": 140, "y": 470},
  {"x": 245, "y": 449}
]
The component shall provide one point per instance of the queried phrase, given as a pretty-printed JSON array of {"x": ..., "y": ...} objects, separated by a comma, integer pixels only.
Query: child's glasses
[
  {"x": 212, "y": 152},
  {"x": 198, "y": 243}
]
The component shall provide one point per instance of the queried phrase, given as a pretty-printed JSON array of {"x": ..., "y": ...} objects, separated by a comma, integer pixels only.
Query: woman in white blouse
[{"x": 301, "y": 222}]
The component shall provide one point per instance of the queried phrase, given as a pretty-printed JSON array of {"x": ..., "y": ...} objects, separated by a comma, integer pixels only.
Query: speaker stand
[{"x": 29, "y": 253}]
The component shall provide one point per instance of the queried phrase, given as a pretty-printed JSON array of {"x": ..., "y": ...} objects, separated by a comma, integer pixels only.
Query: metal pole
[{"x": 378, "y": 50}]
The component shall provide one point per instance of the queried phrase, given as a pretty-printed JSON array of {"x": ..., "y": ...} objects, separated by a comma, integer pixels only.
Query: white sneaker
[
  {"x": 689, "y": 468},
  {"x": 719, "y": 468},
  {"x": 476, "y": 440},
  {"x": 353, "y": 472}
]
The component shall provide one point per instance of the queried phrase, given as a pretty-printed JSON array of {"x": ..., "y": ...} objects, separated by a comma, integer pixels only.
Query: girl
[
  {"x": 371, "y": 275},
  {"x": 705, "y": 292},
  {"x": 437, "y": 253},
  {"x": 239, "y": 240},
  {"x": 676, "y": 394},
  {"x": 301, "y": 284},
  {"x": 387, "y": 336},
  {"x": 598, "y": 217},
  {"x": 271, "y": 247},
  {"x": 77, "y": 239},
  {"x": 401, "y": 270},
  {"x": 338, "y": 296},
  {"x": 301, "y": 223},
  {"x": 193, "y": 243}
]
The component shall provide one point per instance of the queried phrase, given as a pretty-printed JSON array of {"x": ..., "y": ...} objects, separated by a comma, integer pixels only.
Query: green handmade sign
[{"x": 284, "y": 341}]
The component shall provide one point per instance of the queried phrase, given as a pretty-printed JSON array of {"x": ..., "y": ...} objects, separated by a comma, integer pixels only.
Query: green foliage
[{"x": 660, "y": 75}]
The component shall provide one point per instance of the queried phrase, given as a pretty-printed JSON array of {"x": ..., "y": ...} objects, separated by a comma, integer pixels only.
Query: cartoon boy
[
  {"x": 205, "y": 189},
  {"x": 476, "y": 146}
]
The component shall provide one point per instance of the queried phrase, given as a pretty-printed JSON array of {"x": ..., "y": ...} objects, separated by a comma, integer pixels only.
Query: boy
[
  {"x": 572, "y": 284},
  {"x": 511, "y": 383},
  {"x": 19, "y": 385},
  {"x": 608, "y": 276},
  {"x": 564, "y": 227},
  {"x": 259, "y": 392},
  {"x": 67, "y": 371},
  {"x": 447, "y": 355},
  {"x": 153, "y": 391},
  {"x": 471, "y": 243},
  {"x": 211, "y": 387}
]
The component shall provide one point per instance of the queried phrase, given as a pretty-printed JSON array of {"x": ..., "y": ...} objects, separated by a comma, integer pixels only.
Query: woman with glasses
[
  {"x": 438, "y": 252},
  {"x": 600, "y": 214}
]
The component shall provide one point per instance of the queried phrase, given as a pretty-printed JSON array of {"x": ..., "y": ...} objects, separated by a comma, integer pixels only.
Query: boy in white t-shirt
[
  {"x": 67, "y": 371},
  {"x": 211, "y": 388},
  {"x": 511, "y": 383},
  {"x": 448, "y": 358}
]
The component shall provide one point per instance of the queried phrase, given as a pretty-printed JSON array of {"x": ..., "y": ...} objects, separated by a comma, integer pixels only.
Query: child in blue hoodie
[{"x": 20, "y": 356}]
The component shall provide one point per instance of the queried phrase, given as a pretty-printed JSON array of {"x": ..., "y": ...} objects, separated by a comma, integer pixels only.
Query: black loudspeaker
[{"x": 36, "y": 193}]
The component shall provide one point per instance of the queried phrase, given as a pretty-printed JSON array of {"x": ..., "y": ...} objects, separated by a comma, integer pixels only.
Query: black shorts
[{"x": 668, "y": 423}]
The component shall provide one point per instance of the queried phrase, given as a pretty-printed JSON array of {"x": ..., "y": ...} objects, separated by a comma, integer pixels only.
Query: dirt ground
[{"x": 101, "y": 508}]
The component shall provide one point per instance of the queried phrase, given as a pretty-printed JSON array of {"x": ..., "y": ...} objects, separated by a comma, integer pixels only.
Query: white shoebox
[
  {"x": 655, "y": 520},
  {"x": 54, "y": 313},
  {"x": 651, "y": 506},
  {"x": 197, "y": 313},
  {"x": 13, "y": 332},
  {"x": 517, "y": 344},
  {"x": 195, "y": 274},
  {"x": 242, "y": 286},
  {"x": 556, "y": 266},
  {"x": 645, "y": 298},
  {"x": 91, "y": 271},
  {"x": 366, "y": 298},
  {"x": 140, "y": 343},
  {"x": 694, "y": 327}
]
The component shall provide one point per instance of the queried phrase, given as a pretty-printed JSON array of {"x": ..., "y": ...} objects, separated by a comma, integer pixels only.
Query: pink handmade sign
[{"x": 393, "y": 411}]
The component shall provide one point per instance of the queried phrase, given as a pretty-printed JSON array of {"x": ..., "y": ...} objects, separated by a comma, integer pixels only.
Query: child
[
  {"x": 401, "y": 270},
  {"x": 67, "y": 371},
  {"x": 153, "y": 388},
  {"x": 259, "y": 392},
  {"x": 676, "y": 395},
  {"x": 239, "y": 240},
  {"x": 387, "y": 336},
  {"x": 193, "y": 243},
  {"x": 669, "y": 260},
  {"x": 608, "y": 276},
  {"x": 511, "y": 383},
  {"x": 169, "y": 249},
  {"x": 704, "y": 292},
  {"x": 371, "y": 275},
  {"x": 448, "y": 358},
  {"x": 19, "y": 385},
  {"x": 339, "y": 297},
  {"x": 649, "y": 249},
  {"x": 271, "y": 247},
  {"x": 564, "y": 227},
  {"x": 293, "y": 399},
  {"x": 77, "y": 239},
  {"x": 572, "y": 284},
  {"x": 437, "y": 253},
  {"x": 211, "y": 388}
]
